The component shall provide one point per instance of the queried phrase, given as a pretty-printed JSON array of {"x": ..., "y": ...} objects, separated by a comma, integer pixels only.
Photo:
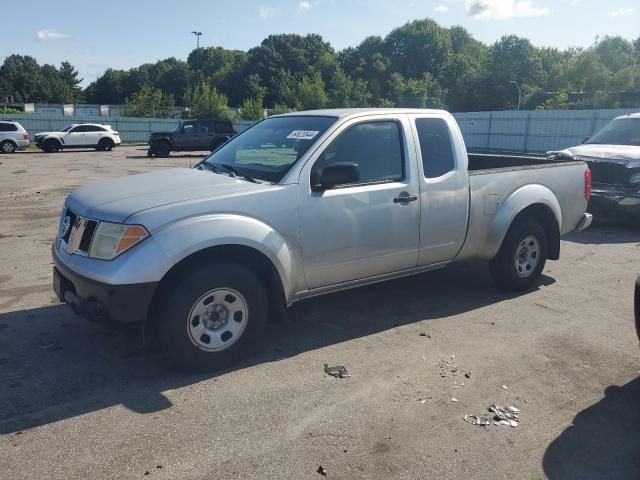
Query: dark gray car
[{"x": 190, "y": 136}]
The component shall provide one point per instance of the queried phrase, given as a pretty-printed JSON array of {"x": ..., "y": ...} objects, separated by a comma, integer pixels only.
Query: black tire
[
  {"x": 175, "y": 316},
  {"x": 149, "y": 153},
  {"x": 526, "y": 239},
  {"x": 105, "y": 144},
  {"x": 7, "y": 147},
  {"x": 162, "y": 150},
  {"x": 51, "y": 146}
]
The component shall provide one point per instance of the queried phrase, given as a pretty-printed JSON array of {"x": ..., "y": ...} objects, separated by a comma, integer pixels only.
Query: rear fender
[{"x": 514, "y": 205}]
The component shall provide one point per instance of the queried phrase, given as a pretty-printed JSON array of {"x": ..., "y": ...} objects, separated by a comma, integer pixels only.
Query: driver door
[
  {"x": 369, "y": 227},
  {"x": 76, "y": 136}
]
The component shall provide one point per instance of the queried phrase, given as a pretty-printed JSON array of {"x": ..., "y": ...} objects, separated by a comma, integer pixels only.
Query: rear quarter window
[
  {"x": 8, "y": 127},
  {"x": 435, "y": 146}
]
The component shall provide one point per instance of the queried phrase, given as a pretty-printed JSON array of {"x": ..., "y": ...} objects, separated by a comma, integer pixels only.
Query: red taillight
[
  {"x": 587, "y": 184},
  {"x": 25, "y": 136}
]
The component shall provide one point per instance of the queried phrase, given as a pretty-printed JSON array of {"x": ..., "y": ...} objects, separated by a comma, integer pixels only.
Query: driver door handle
[{"x": 404, "y": 197}]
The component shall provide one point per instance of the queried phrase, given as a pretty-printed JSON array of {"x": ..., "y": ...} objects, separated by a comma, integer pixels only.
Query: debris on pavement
[
  {"x": 504, "y": 387},
  {"x": 454, "y": 399},
  {"x": 322, "y": 471},
  {"x": 508, "y": 416},
  {"x": 475, "y": 420},
  {"x": 467, "y": 375},
  {"x": 338, "y": 371},
  {"x": 425, "y": 334}
]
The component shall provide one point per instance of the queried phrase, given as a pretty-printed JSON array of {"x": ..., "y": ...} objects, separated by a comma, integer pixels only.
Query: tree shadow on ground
[
  {"x": 603, "y": 442},
  {"x": 55, "y": 365}
]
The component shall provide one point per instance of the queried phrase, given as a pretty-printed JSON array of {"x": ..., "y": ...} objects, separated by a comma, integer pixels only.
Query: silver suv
[{"x": 12, "y": 136}]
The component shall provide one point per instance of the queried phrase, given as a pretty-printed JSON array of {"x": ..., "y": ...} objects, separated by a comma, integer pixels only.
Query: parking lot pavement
[{"x": 79, "y": 401}]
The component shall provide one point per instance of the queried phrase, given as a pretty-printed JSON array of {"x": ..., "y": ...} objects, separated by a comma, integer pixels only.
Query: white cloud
[
  {"x": 621, "y": 12},
  {"x": 304, "y": 6},
  {"x": 441, "y": 8},
  {"x": 502, "y": 9},
  {"x": 265, "y": 13},
  {"x": 46, "y": 35}
]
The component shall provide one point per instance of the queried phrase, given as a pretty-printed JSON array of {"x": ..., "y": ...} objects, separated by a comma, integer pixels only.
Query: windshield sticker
[{"x": 303, "y": 134}]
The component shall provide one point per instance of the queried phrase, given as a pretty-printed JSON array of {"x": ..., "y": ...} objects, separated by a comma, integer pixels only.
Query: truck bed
[{"x": 479, "y": 162}]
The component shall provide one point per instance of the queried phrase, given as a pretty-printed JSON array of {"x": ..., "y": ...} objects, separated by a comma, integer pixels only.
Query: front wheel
[
  {"x": 211, "y": 316},
  {"x": 522, "y": 256}
]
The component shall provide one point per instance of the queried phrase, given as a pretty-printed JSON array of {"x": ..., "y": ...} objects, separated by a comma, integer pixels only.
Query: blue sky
[{"x": 121, "y": 34}]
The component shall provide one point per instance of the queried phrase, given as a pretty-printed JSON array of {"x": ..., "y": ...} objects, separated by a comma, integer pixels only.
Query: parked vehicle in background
[
  {"x": 84, "y": 135},
  {"x": 13, "y": 136},
  {"x": 300, "y": 205},
  {"x": 613, "y": 155},
  {"x": 190, "y": 136}
]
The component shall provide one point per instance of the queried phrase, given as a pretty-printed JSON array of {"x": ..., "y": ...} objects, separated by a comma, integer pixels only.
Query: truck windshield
[
  {"x": 269, "y": 149},
  {"x": 624, "y": 131}
]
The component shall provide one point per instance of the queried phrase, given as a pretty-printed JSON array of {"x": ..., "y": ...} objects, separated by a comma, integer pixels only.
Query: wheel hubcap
[
  {"x": 217, "y": 319},
  {"x": 527, "y": 256},
  {"x": 7, "y": 147}
]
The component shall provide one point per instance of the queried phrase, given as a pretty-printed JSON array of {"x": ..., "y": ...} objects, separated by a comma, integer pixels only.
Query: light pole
[
  {"x": 197, "y": 34},
  {"x": 519, "y": 92}
]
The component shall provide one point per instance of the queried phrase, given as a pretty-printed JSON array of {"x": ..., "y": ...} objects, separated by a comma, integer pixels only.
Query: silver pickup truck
[{"x": 300, "y": 205}]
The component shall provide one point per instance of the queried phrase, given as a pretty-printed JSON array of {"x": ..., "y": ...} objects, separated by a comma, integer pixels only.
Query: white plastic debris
[
  {"x": 475, "y": 420},
  {"x": 423, "y": 401},
  {"x": 454, "y": 399},
  {"x": 504, "y": 387}
]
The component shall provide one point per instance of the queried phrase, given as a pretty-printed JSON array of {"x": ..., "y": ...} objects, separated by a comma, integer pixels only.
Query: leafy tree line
[{"x": 420, "y": 64}]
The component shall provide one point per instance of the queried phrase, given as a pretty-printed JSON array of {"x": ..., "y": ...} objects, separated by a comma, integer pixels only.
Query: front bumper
[{"x": 101, "y": 302}]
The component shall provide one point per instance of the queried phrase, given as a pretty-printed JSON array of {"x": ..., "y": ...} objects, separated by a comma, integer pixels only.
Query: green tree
[
  {"x": 252, "y": 108},
  {"x": 149, "y": 102},
  {"x": 204, "y": 101},
  {"x": 311, "y": 93}
]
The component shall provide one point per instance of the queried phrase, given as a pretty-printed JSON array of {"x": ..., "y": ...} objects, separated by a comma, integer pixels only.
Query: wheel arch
[
  {"x": 238, "y": 254},
  {"x": 531, "y": 201},
  {"x": 9, "y": 140}
]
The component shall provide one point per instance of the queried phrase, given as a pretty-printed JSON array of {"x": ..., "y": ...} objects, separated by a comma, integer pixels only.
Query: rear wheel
[
  {"x": 522, "y": 256},
  {"x": 7, "y": 147},
  {"x": 211, "y": 317},
  {"x": 105, "y": 144}
]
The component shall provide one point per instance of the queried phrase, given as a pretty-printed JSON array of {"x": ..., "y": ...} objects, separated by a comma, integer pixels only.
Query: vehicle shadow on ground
[
  {"x": 55, "y": 365},
  {"x": 603, "y": 442},
  {"x": 602, "y": 234}
]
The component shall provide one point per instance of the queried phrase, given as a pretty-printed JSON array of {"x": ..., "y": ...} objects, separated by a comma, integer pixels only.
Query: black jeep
[{"x": 189, "y": 136}]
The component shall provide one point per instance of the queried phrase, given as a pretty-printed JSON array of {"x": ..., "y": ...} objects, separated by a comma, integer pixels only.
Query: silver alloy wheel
[
  {"x": 217, "y": 319},
  {"x": 527, "y": 256},
  {"x": 8, "y": 147}
]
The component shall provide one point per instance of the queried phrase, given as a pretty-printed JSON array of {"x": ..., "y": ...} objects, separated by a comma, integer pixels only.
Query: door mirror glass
[{"x": 340, "y": 173}]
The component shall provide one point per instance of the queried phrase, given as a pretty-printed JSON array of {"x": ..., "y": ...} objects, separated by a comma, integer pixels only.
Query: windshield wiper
[{"x": 237, "y": 173}]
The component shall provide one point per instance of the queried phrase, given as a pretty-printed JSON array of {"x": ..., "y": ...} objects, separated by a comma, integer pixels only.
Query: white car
[
  {"x": 85, "y": 135},
  {"x": 12, "y": 136}
]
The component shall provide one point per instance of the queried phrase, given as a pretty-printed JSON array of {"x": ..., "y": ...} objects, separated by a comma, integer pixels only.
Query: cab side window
[
  {"x": 435, "y": 146},
  {"x": 188, "y": 128},
  {"x": 375, "y": 146}
]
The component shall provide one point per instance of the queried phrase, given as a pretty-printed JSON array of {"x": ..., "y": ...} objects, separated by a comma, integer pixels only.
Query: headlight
[
  {"x": 635, "y": 178},
  {"x": 112, "y": 239}
]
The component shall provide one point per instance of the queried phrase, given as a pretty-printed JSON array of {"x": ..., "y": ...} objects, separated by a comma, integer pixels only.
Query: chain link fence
[{"x": 510, "y": 131}]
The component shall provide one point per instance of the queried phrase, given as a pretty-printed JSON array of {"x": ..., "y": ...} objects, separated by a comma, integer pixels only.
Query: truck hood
[
  {"x": 627, "y": 155},
  {"x": 115, "y": 200}
]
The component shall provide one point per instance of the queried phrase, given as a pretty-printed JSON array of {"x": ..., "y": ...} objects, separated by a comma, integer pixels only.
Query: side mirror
[
  {"x": 339, "y": 173},
  {"x": 585, "y": 139}
]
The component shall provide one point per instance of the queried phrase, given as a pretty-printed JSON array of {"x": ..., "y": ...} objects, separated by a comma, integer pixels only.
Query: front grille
[
  {"x": 87, "y": 236},
  {"x": 79, "y": 234}
]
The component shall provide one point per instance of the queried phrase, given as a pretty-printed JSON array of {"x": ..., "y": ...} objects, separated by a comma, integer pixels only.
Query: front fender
[
  {"x": 514, "y": 204},
  {"x": 191, "y": 235}
]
